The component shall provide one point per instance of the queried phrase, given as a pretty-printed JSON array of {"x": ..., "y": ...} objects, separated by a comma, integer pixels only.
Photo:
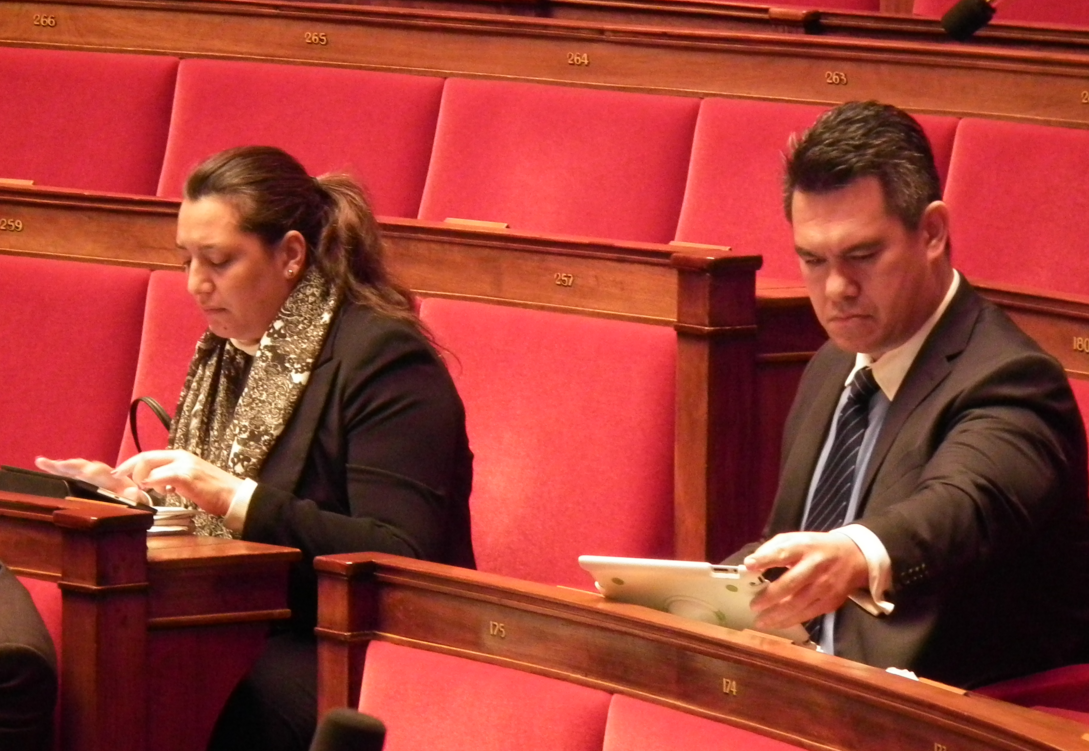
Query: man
[
  {"x": 28, "y": 670},
  {"x": 944, "y": 492}
]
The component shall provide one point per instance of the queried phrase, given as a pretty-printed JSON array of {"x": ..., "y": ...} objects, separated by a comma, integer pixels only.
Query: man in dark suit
[
  {"x": 28, "y": 670},
  {"x": 932, "y": 512}
]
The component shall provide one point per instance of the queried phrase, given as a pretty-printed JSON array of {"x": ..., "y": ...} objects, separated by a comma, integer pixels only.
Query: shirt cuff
[
  {"x": 235, "y": 517},
  {"x": 879, "y": 565}
]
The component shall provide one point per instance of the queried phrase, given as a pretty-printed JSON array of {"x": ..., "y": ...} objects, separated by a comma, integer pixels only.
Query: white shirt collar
[{"x": 892, "y": 368}]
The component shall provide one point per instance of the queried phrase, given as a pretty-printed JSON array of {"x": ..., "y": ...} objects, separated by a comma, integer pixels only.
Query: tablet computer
[
  {"x": 711, "y": 593},
  {"x": 35, "y": 482}
]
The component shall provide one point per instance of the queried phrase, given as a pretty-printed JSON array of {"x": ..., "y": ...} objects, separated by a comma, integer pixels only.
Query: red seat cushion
[
  {"x": 571, "y": 420},
  {"x": 1065, "y": 688},
  {"x": 636, "y": 725},
  {"x": 560, "y": 160},
  {"x": 1018, "y": 217},
  {"x": 172, "y": 325},
  {"x": 734, "y": 194},
  {"x": 444, "y": 703},
  {"x": 1052, "y": 12},
  {"x": 71, "y": 332},
  {"x": 378, "y": 127},
  {"x": 84, "y": 120}
]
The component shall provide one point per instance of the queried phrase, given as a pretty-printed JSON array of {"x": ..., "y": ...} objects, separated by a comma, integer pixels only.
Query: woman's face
[{"x": 239, "y": 283}]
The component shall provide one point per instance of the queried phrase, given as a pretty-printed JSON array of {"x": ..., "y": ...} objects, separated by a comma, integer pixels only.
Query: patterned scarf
[{"x": 234, "y": 407}]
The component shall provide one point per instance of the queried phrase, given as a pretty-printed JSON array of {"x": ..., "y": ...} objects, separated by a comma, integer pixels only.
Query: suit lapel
[
  {"x": 932, "y": 365},
  {"x": 819, "y": 405}
]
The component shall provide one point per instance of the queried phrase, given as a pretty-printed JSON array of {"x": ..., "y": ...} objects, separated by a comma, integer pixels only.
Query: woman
[{"x": 315, "y": 414}]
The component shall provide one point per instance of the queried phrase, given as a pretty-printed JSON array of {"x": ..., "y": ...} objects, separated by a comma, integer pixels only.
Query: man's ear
[{"x": 935, "y": 228}]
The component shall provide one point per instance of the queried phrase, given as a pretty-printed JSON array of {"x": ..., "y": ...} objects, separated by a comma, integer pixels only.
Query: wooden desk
[
  {"x": 156, "y": 632},
  {"x": 777, "y": 689}
]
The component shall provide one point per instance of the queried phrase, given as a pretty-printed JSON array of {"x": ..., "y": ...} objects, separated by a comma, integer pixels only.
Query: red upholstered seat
[
  {"x": 1019, "y": 217},
  {"x": 560, "y": 160},
  {"x": 734, "y": 194},
  {"x": 84, "y": 120},
  {"x": 378, "y": 127},
  {"x": 71, "y": 332},
  {"x": 444, "y": 703},
  {"x": 1051, "y": 12},
  {"x": 1064, "y": 688},
  {"x": 571, "y": 420},
  {"x": 172, "y": 325},
  {"x": 636, "y": 725},
  {"x": 1080, "y": 387}
]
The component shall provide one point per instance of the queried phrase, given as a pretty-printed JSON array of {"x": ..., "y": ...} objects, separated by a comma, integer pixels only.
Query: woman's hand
[
  {"x": 96, "y": 473},
  {"x": 180, "y": 472}
]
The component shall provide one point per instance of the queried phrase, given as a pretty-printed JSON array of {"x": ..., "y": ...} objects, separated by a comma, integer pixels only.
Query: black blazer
[
  {"x": 28, "y": 670},
  {"x": 977, "y": 489},
  {"x": 374, "y": 458}
]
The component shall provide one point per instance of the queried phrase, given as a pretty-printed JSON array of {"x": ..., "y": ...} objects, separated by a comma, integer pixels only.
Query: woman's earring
[{"x": 290, "y": 273}]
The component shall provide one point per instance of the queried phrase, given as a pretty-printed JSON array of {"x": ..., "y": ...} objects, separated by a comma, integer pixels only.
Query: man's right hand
[{"x": 823, "y": 569}]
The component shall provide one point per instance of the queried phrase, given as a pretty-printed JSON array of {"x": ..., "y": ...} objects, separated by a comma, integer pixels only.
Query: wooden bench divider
[
  {"x": 155, "y": 631},
  {"x": 763, "y": 684},
  {"x": 1044, "y": 86}
]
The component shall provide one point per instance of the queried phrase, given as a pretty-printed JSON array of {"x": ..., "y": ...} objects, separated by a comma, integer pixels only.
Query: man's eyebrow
[{"x": 864, "y": 247}]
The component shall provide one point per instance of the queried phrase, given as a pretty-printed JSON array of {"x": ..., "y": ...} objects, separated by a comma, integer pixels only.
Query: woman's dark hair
[
  {"x": 866, "y": 139},
  {"x": 273, "y": 194}
]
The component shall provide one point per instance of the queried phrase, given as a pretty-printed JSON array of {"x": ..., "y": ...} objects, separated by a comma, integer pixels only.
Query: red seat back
[
  {"x": 1052, "y": 12},
  {"x": 560, "y": 160},
  {"x": 636, "y": 725},
  {"x": 734, "y": 195},
  {"x": 378, "y": 127},
  {"x": 85, "y": 120},
  {"x": 1019, "y": 216},
  {"x": 1066, "y": 688},
  {"x": 71, "y": 333},
  {"x": 570, "y": 419},
  {"x": 444, "y": 703},
  {"x": 172, "y": 325}
]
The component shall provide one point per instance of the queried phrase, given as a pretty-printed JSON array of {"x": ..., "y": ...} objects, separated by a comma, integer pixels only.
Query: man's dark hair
[{"x": 866, "y": 139}]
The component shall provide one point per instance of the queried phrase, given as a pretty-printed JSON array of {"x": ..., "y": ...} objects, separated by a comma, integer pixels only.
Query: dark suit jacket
[
  {"x": 374, "y": 458},
  {"x": 28, "y": 670},
  {"x": 977, "y": 488}
]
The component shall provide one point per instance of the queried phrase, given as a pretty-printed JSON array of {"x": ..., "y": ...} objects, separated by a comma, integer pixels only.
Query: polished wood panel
[
  {"x": 156, "y": 632},
  {"x": 925, "y": 76},
  {"x": 782, "y": 690}
]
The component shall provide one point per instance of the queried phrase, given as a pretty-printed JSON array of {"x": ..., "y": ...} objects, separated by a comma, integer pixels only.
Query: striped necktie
[
  {"x": 833, "y": 493},
  {"x": 828, "y": 508}
]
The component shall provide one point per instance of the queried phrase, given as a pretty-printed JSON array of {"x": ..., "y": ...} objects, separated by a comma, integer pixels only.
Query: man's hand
[{"x": 823, "y": 569}]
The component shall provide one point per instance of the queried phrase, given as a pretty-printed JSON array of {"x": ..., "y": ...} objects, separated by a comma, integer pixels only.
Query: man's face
[{"x": 872, "y": 281}]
